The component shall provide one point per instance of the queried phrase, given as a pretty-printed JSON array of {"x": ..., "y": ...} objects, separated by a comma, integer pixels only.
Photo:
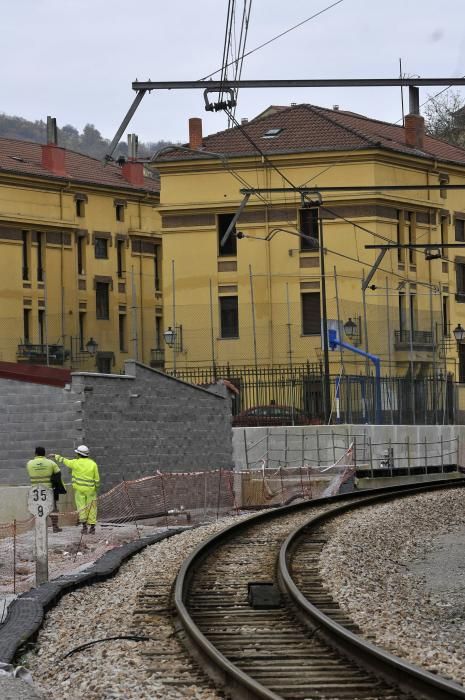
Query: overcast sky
[{"x": 76, "y": 59}]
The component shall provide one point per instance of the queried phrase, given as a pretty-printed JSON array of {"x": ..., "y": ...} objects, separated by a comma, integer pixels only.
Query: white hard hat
[{"x": 82, "y": 450}]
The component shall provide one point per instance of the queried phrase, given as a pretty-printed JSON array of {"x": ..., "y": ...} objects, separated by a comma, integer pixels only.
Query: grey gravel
[
  {"x": 397, "y": 570},
  {"x": 131, "y": 670}
]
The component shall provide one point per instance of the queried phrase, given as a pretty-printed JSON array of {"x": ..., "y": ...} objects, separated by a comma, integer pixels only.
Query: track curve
[{"x": 272, "y": 653}]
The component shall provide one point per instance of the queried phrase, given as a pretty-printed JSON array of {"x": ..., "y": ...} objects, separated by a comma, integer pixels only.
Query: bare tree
[{"x": 445, "y": 117}]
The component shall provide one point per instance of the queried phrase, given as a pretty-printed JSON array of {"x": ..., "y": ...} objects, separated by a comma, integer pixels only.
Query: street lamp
[
  {"x": 350, "y": 329},
  {"x": 459, "y": 333},
  {"x": 170, "y": 337},
  {"x": 91, "y": 346},
  {"x": 173, "y": 338}
]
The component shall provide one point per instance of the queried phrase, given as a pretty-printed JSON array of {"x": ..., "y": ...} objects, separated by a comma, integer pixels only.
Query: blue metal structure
[{"x": 334, "y": 342}]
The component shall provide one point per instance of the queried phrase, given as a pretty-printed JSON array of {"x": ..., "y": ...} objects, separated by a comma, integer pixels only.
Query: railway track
[{"x": 306, "y": 647}]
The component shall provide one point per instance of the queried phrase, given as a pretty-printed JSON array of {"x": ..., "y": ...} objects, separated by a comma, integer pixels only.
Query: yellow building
[
  {"x": 80, "y": 259},
  {"x": 257, "y": 300}
]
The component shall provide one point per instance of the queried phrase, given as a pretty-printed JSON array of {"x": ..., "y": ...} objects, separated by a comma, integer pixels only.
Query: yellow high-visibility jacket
[
  {"x": 40, "y": 471},
  {"x": 84, "y": 473}
]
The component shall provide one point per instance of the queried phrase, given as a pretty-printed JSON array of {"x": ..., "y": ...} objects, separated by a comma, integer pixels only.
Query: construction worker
[
  {"x": 44, "y": 472},
  {"x": 86, "y": 481}
]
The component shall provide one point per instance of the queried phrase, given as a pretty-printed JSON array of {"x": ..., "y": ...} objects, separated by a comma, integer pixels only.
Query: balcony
[
  {"x": 157, "y": 358},
  {"x": 420, "y": 340},
  {"x": 37, "y": 354}
]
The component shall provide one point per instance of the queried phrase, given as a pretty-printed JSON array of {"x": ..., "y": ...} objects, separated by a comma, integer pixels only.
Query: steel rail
[
  {"x": 393, "y": 669},
  {"x": 216, "y": 664}
]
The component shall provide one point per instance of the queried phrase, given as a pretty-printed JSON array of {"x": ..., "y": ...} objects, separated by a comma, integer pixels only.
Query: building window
[
  {"x": 41, "y": 324},
  {"x": 229, "y": 317},
  {"x": 157, "y": 268},
  {"x": 400, "y": 237},
  {"x": 402, "y": 316},
  {"x": 413, "y": 312},
  {"x": 122, "y": 332},
  {"x": 460, "y": 274},
  {"x": 120, "y": 257},
  {"x": 102, "y": 301},
  {"x": 411, "y": 235},
  {"x": 119, "y": 212},
  {"x": 80, "y": 208},
  {"x": 81, "y": 255},
  {"x": 460, "y": 230},
  {"x": 158, "y": 332},
  {"x": 311, "y": 313},
  {"x": 230, "y": 247},
  {"x": 25, "y": 255},
  {"x": 445, "y": 316},
  {"x": 27, "y": 325},
  {"x": 40, "y": 256},
  {"x": 101, "y": 248},
  {"x": 444, "y": 231},
  {"x": 309, "y": 227},
  {"x": 82, "y": 330}
]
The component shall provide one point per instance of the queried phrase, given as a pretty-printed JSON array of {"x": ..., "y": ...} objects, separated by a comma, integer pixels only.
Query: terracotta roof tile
[
  {"x": 307, "y": 128},
  {"x": 25, "y": 158}
]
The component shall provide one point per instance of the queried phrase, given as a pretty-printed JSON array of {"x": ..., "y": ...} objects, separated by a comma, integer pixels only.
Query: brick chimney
[
  {"x": 53, "y": 157},
  {"x": 414, "y": 123},
  {"x": 414, "y": 130},
  {"x": 132, "y": 171},
  {"x": 195, "y": 133}
]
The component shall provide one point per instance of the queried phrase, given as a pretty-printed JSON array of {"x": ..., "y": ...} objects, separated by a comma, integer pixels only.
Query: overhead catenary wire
[{"x": 278, "y": 36}]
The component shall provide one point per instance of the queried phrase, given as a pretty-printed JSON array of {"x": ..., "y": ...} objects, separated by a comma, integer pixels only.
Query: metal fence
[{"x": 301, "y": 388}]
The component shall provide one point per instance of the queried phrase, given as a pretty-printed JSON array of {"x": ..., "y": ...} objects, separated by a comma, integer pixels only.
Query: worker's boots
[
  {"x": 84, "y": 529},
  {"x": 92, "y": 530}
]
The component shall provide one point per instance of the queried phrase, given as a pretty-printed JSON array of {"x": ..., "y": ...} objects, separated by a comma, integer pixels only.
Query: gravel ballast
[
  {"x": 159, "y": 668},
  {"x": 397, "y": 570}
]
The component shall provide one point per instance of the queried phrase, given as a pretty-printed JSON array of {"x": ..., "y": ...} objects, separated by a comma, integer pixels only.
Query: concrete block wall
[
  {"x": 146, "y": 420},
  {"x": 30, "y": 415},
  {"x": 293, "y": 445}
]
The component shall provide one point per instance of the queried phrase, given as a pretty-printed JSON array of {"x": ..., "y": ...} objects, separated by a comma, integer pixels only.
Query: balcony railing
[
  {"x": 157, "y": 358},
  {"x": 37, "y": 354},
  {"x": 404, "y": 338}
]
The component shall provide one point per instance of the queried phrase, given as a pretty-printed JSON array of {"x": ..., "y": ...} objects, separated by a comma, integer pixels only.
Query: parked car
[{"x": 271, "y": 415}]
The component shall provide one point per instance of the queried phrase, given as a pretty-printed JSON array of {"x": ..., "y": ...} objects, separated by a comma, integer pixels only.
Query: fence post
[
  {"x": 219, "y": 494},
  {"x": 408, "y": 454},
  {"x": 334, "y": 447},
  {"x": 318, "y": 447},
  {"x": 131, "y": 504},
  {"x": 426, "y": 457},
  {"x": 285, "y": 446},
  {"x": 14, "y": 555},
  {"x": 458, "y": 451},
  {"x": 267, "y": 446},
  {"x": 303, "y": 449},
  {"x": 442, "y": 455},
  {"x": 246, "y": 449},
  {"x": 282, "y": 485},
  {"x": 205, "y": 495},
  {"x": 371, "y": 455},
  {"x": 390, "y": 460},
  {"x": 164, "y": 499}
]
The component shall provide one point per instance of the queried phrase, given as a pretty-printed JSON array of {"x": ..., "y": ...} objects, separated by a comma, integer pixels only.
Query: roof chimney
[
  {"x": 336, "y": 108},
  {"x": 414, "y": 123},
  {"x": 244, "y": 120},
  {"x": 132, "y": 171},
  {"x": 53, "y": 157},
  {"x": 195, "y": 133}
]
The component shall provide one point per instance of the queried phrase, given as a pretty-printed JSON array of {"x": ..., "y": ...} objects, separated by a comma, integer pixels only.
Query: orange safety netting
[{"x": 133, "y": 509}]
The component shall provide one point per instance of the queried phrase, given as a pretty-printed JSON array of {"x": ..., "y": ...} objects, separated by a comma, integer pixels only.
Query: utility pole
[{"x": 326, "y": 379}]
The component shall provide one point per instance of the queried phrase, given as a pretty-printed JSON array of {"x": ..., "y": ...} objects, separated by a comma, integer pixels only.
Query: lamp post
[
  {"x": 173, "y": 338},
  {"x": 459, "y": 333},
  {"x": 350, "y": 329},
  {"x": 91, "y": 346}
]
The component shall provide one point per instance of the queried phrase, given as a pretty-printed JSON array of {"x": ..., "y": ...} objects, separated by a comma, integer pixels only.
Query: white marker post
[{"x": 40, "y": 503}]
